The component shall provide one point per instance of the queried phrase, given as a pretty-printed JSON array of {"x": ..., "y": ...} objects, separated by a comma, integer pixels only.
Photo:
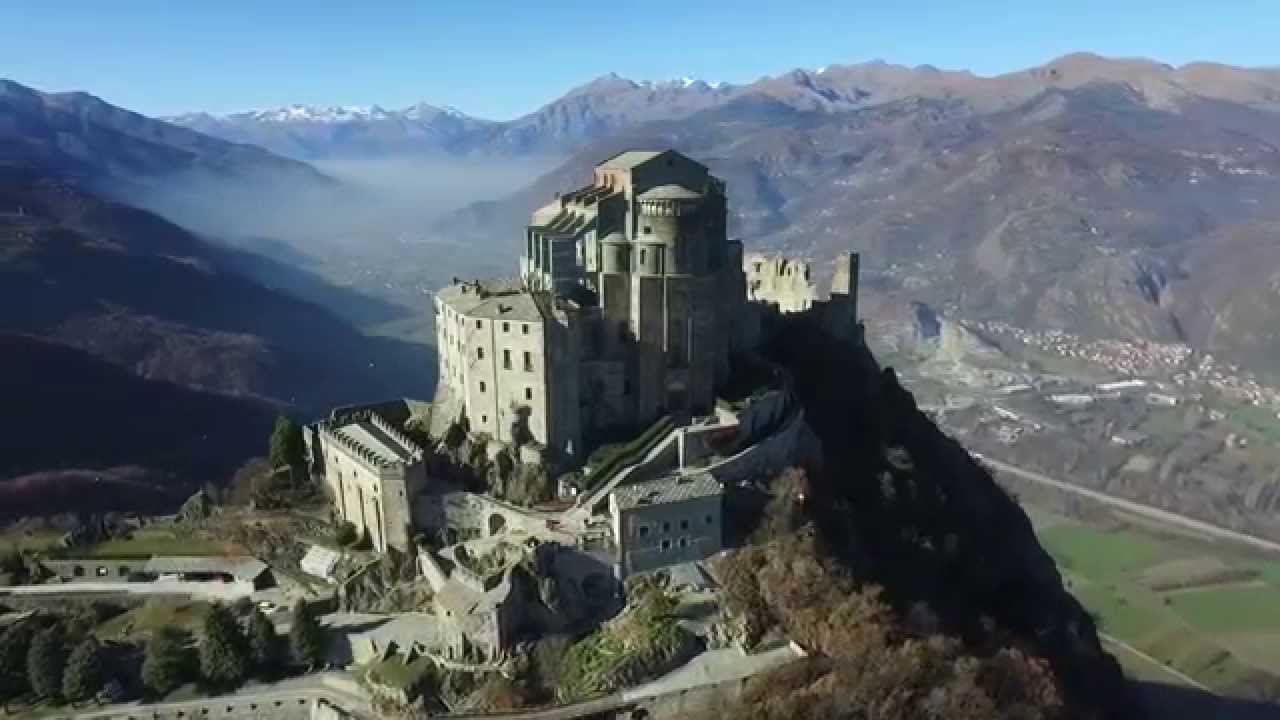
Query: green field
[
  {"x": 153, "y": 614},
  {"x": 145, "y": 543},
  {"x": 1216, "y": 632}
]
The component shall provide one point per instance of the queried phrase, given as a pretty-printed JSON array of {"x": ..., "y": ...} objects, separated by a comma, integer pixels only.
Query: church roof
[
  {"x": 670, "y": 489},
  {"x": 669, "y": 192},
  {"x": 631, "y": 158},
  {"x": 502, "y": 299}
]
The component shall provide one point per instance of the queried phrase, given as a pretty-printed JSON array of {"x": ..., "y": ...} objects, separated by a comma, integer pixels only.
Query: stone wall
[
  {"x": 785, "y": 447},
  {"x": 95, "y": 569}
]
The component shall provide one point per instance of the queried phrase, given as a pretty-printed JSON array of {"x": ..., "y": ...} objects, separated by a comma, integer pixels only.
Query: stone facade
[
  {"x": 626, "y": 309},
  {"x": 667, "y": 521},
  {"x": 372, "y": 470}
]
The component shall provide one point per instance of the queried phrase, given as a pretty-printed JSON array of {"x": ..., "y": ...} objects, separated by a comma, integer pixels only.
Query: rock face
[{"x": 904, "y": 506}]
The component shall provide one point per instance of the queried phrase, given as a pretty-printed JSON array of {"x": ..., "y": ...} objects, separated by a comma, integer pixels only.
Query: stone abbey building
[{"x": 628, "y": 303}]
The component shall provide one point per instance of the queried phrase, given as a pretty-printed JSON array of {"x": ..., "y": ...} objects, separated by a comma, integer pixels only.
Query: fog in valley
[{"x": 368, "y": 226}]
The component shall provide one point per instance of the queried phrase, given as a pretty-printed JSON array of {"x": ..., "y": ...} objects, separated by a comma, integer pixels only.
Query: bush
[{"x": 346, "y": 534}]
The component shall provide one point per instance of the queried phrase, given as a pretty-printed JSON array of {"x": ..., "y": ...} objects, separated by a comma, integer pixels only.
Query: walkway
[
  {"x": 210, "y": 590},
  {"x": 286, "y": 699}
]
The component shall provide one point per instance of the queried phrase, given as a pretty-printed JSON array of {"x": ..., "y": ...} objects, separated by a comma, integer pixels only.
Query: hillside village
[{"x": 594, "y": 417}]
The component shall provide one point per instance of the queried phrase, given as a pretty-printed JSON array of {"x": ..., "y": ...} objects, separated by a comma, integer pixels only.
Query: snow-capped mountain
[
  {"x": 602, "y": 106},
  {"x": 313, "y": 132}
]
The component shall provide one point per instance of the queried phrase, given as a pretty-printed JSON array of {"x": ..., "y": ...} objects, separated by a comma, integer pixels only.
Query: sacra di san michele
[{"x": 628, "y": 323}]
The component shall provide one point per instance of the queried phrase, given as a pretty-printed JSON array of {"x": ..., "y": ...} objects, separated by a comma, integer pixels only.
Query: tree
[
  {"x": 165, "y": 665},
  {"x": 264, "y": 643},
  {"x": 14, "y": 645},
  {"x": 45, "y": 661},
  {"x": 83, "y": 677},
  {"x": 306, "y": 637},
  {"x": 224, "y": 654},
  {"x": 286, "y": 445}
]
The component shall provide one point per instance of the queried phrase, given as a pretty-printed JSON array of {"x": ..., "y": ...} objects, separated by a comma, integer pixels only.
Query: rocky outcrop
[{"x": 931, "y": 526}]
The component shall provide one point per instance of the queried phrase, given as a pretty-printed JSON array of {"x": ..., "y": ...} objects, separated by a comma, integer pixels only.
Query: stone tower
[{"x": 643, "y": 249}]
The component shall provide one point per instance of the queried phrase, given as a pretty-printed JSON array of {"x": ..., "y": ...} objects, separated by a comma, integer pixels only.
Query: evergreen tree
[
  {"x": 264, "y": 643},
  {"x": 14, "y": 645},
  {"x": 83, "y": 677},
  {"x": 224, "y": 654},
  {"x": 306, "y": 637},
  {"x": 287, "y": 448},
  {"x": 45, "y": 660},
  {"x": 165, "y": 665}
]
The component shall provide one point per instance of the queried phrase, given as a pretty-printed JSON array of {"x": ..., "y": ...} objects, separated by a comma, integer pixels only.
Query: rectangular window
[
  {"x": 528, "y": 361},
  {"x": 479, "y": 353},
  {"x": 684, "y": 524},
  {"x": 506, "y": 359},
  {"x": 481, "y": 386},
  {"x": 666, "y": 545},
  {"x": 484, "y": 419},
  {"x": 642, "y": 254},
  {"x": 479, "y": 324},
  {"x": 648, "y": 230},
  {"x": 528, "y": 393},
  {"x": 642, "y": 530},
  {"x": 506, "y": 327},
  {"x": 524, "y": 328}
]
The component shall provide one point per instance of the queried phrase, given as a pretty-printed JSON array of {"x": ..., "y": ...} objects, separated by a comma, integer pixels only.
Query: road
[
  {"x": 210, "y": 590},
  {"x": 286, "y": 699},
  {"x": 1134, "y": 507},
  {"x": 1167, "y": 668}
]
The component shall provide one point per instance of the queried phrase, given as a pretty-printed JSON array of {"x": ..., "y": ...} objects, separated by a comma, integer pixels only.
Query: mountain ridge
[{"x": 610, "y": 103}]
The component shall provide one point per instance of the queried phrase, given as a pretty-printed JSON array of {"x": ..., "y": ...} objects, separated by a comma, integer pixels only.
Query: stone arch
[{"x": 497, "y": 523}]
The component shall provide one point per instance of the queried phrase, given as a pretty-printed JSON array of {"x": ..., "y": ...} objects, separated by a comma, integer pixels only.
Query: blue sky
[{"x": 502, "y": 59}]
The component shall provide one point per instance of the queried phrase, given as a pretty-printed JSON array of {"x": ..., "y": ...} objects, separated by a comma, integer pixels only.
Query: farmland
[{"x": 1208, "y": 610}]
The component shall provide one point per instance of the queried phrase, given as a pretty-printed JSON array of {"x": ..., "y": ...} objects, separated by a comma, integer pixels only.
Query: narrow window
[
  {"x": 684, "y": 524},
  {"x": 506, "y": 327},
  {"x": 481, "y": 386},
  {"x": 479, "y": 324},
  {"x": 524, "y": 328},
  {"x": 648, "y": 230},
  {"x": 506, "y": 359},
  {"x": 528, "y": 361},
  {"x": 528, "y": 393},
  {"x": 684, "y": 542},
  {"x": 666, "y": 545},
  {"x": 484, "y": 419},
  {"x": 666, "y": 527},
  {"x": 642, "y": 254},
  {"x": 479, "y": 353}
]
